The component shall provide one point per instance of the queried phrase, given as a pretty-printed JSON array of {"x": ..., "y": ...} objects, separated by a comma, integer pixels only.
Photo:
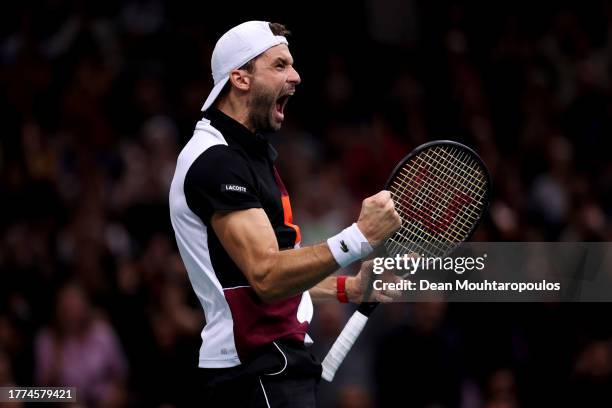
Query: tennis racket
[{"x": 441, "y": 192}]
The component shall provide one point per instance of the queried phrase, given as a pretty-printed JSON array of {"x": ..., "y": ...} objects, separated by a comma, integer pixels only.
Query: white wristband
[{"x": 349, "y": 246}]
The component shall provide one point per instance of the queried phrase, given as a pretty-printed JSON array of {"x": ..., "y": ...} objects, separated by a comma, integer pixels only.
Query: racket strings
[
  {"x": 441, "y": 190},
  {"x": 474, "y": 188},
  {"x": 455, "y": 184},
  {"x": 425, "y": 236},
  {"x": 442, "y": 198},
  {"x": 436, "y": 211},
  {"x": 474, "y": 181},
  {"x": 448, "y": 174},
  {"x": 411, "y": 232},
  {"x": 459, "y": 167},
  {"x": 440, "y": 195},
  {"x": 472, "y": 216}
]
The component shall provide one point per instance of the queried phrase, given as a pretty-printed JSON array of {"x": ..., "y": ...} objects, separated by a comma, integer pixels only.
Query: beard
[{"x": 261, "y": 112}]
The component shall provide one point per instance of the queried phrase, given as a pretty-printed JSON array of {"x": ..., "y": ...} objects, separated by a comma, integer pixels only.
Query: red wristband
[{"x": 341, "y": 289}]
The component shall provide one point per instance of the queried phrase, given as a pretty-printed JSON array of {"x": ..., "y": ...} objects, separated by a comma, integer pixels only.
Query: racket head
[{"x": 441, "y": 190}]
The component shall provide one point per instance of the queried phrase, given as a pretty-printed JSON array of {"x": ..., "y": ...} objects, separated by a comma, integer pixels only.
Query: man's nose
[{"x": 294, "y": 77}]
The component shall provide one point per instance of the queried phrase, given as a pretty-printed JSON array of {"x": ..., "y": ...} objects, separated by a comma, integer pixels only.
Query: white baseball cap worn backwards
[{"x": 237, "y": 47}]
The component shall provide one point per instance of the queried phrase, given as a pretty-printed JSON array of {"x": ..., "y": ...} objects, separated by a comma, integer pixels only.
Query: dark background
[{"x": 99, "y": 97}]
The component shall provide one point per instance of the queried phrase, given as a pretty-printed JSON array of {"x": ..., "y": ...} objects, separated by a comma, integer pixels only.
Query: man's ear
[{"x": 241, "y": 79}]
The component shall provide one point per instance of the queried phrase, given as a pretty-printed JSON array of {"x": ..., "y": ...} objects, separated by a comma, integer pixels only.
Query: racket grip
[{"x": 343, "y": 345}]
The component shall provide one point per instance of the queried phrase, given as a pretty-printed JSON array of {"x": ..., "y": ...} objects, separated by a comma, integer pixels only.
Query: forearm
[{"x": 294, "y": 271}]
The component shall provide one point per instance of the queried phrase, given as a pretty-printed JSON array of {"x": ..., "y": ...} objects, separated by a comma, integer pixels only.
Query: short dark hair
[{"x": 277, "y": 29}]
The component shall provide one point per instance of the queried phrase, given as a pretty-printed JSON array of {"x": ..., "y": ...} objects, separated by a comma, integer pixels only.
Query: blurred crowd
[{"x": 99, "y": 97}]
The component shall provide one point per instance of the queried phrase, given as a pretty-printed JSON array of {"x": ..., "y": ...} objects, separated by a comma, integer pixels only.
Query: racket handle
[{"x": 343, "y": 345}]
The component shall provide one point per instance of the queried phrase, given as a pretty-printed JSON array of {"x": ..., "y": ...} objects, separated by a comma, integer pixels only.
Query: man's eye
[{"x": 280, "y": 66}]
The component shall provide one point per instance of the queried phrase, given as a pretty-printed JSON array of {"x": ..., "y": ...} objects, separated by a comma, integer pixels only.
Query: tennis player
[{"x": 233, "y": 224}]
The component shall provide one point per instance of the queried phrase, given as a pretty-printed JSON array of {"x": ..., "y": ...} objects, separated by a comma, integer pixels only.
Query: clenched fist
[{"x": 378, "y": 218}]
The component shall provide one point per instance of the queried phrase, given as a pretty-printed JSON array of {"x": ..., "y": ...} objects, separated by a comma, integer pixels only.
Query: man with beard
[{"x": 233, "y": 224}]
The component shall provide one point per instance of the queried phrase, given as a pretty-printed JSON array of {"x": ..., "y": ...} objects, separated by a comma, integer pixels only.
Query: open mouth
[{"x": 281, "y": 103}]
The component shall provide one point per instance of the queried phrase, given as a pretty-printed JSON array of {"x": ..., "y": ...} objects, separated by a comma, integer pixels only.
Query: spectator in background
[{"x": 81, "y": 350}]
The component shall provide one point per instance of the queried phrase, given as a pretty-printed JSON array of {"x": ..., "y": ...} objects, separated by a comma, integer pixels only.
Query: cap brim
[{"x": 212, "y": 96}]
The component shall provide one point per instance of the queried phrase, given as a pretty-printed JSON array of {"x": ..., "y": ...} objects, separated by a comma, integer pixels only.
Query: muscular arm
[{"x": 249, "y": 239}]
